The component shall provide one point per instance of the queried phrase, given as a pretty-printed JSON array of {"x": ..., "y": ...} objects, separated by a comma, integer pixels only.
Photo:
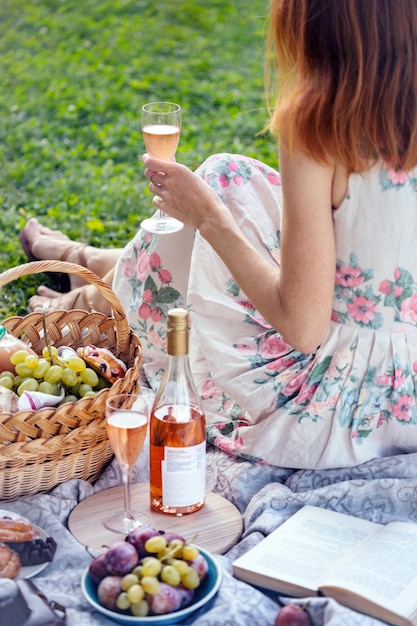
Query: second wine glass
[
  {"x": 161, "y": 128},
  {"x": 126, "y": 421}
]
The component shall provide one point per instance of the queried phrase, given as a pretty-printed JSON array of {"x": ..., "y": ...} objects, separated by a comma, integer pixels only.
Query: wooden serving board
[{"x": 216, "y": 527}]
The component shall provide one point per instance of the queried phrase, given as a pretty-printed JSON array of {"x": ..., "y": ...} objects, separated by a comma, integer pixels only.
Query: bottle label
[{"x": 184, "y": 475}]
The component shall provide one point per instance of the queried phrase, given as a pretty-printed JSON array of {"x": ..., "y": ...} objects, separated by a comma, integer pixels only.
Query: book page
[
  {"x": 304, "y": 548},
  {"x": 383, "y": 570}
]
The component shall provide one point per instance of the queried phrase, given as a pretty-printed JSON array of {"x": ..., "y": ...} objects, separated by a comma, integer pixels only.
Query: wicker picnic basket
[{"x": 41, "y": 449}]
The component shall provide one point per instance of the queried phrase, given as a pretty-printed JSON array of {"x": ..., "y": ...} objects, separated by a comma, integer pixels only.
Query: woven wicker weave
[{"x": 40, "y": 449}]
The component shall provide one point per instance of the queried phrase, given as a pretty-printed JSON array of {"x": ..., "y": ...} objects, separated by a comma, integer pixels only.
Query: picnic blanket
[{"x": 380, "y": 490}]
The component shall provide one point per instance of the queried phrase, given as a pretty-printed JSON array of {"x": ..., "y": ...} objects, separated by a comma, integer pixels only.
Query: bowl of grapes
[{"x": 151, "y": 578}]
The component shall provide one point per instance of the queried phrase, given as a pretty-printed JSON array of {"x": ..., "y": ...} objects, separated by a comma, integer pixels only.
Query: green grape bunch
[
  {"x": 56, "y": 372},
  {"x": 150, "y": 573}
]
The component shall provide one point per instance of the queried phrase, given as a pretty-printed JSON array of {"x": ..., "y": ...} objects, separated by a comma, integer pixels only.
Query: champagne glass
[
  {"x": 161, "y": 127},
  {"x": 126, "y": 422}
]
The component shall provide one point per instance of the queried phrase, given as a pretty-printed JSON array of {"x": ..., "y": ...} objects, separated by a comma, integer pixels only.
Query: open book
[{"x": 366, "y": 566}]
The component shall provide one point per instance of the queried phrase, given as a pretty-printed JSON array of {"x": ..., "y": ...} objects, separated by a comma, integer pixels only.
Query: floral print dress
[{"x": 354, "y": 398}]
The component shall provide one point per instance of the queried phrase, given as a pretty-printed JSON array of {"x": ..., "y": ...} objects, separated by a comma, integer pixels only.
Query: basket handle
[{"x": 39, "y": 267}]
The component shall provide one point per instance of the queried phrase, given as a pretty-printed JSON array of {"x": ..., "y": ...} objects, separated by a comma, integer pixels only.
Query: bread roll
[
  {"x": 9, "y": 562},
  {"x": 16, "y": 529}
]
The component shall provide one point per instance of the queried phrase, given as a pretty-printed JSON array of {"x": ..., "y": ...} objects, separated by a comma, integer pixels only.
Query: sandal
[{"x": 65, "y": 281}]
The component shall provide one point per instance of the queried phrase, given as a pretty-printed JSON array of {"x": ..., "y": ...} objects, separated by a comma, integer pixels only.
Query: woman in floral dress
[
  {"x": 304, "y": 330},
  {"x": 302, "y": 290}
]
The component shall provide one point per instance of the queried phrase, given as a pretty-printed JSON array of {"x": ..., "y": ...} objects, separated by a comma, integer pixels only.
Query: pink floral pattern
[
  {"x": 237, "y": 170},
  {"x": 152, "y": 291}
]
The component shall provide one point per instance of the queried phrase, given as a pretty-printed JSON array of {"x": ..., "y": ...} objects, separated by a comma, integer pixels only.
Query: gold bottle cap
[{"x": 177, "y": 332}]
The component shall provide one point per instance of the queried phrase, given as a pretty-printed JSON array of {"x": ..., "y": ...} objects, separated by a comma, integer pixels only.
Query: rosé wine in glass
[
  {"x": 126, "y": 422},
  {"x": 161, "y": 140}
]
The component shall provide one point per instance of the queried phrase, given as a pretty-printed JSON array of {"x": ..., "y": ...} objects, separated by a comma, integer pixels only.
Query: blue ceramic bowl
[{"x": 203, "y": 594}]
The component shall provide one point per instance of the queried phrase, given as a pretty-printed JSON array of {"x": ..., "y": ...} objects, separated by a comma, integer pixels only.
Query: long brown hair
[{"x": 347, "y": 79}]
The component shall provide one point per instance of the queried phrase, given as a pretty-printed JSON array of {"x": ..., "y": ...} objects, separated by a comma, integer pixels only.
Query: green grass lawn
[{"x": 74, "y": 75}]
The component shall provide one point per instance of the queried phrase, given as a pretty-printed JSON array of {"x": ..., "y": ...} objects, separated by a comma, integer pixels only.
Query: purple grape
[
  {"x": 139, "y": 536},
  {"x": 187, "y": 595},
  {"x": 108, "y": 590},
  {"x": 121, "y": 558},
  {"x": 98, "y": 568},
  {"x": 166, "y": 600},
  {"x": 292, "y": 615},
  {"x": 170, "y": 536},
  {"x": 200, "y": 565}
]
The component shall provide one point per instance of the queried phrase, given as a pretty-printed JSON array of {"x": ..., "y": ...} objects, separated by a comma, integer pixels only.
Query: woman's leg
[
  {"x": 41, "y": 243},
  {"x": 151, "y": 277},
  {"x": 86, "y": 297}
]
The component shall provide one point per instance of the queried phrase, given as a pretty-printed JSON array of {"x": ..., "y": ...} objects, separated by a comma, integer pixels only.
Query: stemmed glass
[
  {"x": 161, "y": 127},
  {"x": 126, "y": 422}
]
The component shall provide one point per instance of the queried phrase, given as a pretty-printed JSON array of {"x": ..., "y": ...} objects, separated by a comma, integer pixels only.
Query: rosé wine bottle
[{"x": 177, "y": 430}]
